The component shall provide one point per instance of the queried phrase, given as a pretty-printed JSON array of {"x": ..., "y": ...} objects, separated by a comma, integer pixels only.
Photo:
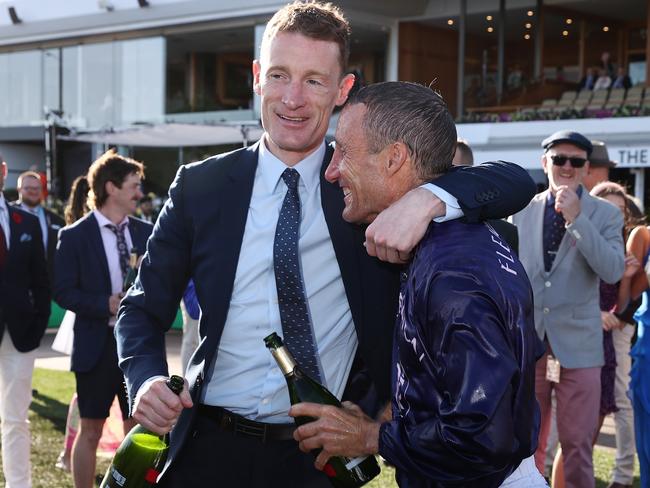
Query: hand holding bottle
[
  {"x": 313, "y": 404},
  {"x": 157, "y": 408},
  {"x": 337, "y": 431},
  {"x": 114, "y": 303}
]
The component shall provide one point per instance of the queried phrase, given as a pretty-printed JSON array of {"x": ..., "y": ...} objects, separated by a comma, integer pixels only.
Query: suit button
[
  {"x": 546, "y": 310},
  {"x": 403, "y": 276},
  {"x": 547, "y": 284}
]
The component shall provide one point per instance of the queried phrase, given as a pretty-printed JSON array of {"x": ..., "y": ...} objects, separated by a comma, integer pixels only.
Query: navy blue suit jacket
[
  {"x": 83, "y": 284},
  {"x": 24, "y": 286},
  {"x": 199, "y": 235}
]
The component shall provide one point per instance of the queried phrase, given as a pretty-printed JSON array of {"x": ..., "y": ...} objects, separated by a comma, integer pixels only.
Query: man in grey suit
[{"x": 570, "y": 241}]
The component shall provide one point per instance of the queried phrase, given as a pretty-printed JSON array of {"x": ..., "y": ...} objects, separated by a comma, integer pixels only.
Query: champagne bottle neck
[{"x": 284, "y": 359}]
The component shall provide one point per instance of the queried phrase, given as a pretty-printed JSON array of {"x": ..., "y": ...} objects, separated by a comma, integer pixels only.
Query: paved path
[{"x": 49, "y": 359}]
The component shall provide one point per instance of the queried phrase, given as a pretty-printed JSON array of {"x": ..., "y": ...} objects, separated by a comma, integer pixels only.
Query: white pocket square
[{"x": 25, "y": 238}]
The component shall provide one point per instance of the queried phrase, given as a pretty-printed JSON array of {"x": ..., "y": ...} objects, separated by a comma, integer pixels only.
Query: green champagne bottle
[
  {"x": 142, "y": 454},
  {"x": 132, "y": 272},
  {"x": 342, "y": 472}
]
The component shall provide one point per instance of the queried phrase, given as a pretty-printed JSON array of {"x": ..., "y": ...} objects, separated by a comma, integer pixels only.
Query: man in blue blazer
[
  {"x": 219, "y": 228},
  {"x": 24, "y": 310},
  {"x": 91, "y": 263}
]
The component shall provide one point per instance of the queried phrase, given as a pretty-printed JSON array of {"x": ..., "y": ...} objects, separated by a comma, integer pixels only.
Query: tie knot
[
  {"x": 291, "y": 177},
  {"x": 117, "y": 228}
]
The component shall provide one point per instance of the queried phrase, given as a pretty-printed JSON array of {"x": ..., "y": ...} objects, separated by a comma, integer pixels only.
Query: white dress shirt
[
  {"x": 109, "y": 239},
  {"x": 4, "y": 219},
  {"x": 453, "y": 210},
  {"x": 245, "y": 378}
]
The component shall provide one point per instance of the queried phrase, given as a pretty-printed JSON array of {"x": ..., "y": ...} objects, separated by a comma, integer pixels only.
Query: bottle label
[
  {"x": 329, "y": 470},
  {"x": 119, "y": 479},
  {"x": 151, "y": 476},
  {"x": 353, "y": 463}
]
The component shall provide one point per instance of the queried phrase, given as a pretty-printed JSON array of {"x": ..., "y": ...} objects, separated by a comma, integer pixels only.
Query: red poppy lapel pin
[{"x": 17, "y": 218}]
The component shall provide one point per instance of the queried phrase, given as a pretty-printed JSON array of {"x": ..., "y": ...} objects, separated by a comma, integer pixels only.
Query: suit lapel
[
  {"x": 136, "y": 236},
  {"x": 236, "y": 198},
  {"x": 537, "y": 231},
  {"x": 97, "y": 244},
  {"x": 233, "y": 202},
  {"x": 15, "y": 228}
]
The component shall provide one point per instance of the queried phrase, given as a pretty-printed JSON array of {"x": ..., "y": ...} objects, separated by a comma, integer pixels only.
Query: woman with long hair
[{"x": 77, "y": 205}]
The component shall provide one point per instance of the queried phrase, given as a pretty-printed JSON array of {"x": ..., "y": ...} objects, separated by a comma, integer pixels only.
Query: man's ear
[
  {"x": 544, "y": 163},
  {"x": 397, "y": 155},
  {"x": 109, "y": 188},
  {"x": 257, "y": 70},
  {"x": 345, "y": 85}
]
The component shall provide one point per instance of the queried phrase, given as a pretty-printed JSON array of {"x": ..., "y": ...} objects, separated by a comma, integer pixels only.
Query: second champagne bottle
[{"x": 342, "y": 472}]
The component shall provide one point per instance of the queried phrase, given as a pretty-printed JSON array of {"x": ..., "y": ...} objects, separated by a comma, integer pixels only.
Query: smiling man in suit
[
  {"x": 24, "y": 310},
  {"x": 30, "y": 199},
  {"x": 248, "y": 227},
  {"x": 570, "y": 241},
  {"x": 91, "y": 262}
]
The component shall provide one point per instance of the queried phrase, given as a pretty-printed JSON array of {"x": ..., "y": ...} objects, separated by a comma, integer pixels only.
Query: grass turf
[{"x": 54, "y": 389}]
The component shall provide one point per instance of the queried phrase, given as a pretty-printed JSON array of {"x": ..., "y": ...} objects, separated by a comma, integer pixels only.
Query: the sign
[{"x": 630, "y": 157}]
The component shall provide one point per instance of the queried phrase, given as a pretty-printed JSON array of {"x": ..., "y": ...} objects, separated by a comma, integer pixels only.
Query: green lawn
[{"x": 48, "y": 414}]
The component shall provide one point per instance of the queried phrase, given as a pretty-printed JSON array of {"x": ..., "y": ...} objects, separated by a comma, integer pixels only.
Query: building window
[{"x": 209, "y": 71}]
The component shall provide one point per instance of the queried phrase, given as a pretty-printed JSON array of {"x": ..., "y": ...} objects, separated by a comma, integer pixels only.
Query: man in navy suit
[
  {"x": 219, "y": 228},
  {"x": 30, "y": 199},
  {"x": 24, "y": 310},
  {"x": 91, "y": 263}
]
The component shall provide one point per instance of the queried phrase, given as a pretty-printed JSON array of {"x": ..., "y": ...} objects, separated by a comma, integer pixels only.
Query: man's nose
[
  {"x": 293, "y": 96},
  {"x": 332, "y": 172}
]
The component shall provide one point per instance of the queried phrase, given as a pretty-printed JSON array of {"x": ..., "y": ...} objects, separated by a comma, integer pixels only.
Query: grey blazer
[{"x": 567, "y": 298}]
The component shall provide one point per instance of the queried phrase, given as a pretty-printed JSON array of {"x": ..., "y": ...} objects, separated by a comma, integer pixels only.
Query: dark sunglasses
[{"x": 559, "y": 160}]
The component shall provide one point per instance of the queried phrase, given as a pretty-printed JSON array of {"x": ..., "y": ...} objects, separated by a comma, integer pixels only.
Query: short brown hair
[
  {"x": 465, "y": 153},
  {"x": 112, "y": 167},
  {"x": 320, "y": 21},
  {"x": 417, "y": 116},
  {"x": 29, "y": 174}
]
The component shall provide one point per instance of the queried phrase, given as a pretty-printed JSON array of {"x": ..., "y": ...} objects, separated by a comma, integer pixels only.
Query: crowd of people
[
  {"x": 459, "y": 342},
  {"x": 605, "y": 77}
]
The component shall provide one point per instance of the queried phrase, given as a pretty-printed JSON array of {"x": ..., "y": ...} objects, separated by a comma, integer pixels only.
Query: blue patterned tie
[
  {"x": 554, "y": 230},
  {"x": 296, "y": 326},
  {"x": 121, "y": 247}
]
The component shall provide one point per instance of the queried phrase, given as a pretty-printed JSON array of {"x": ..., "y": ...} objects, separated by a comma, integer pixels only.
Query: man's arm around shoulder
[{"x": 491, "y": 190}]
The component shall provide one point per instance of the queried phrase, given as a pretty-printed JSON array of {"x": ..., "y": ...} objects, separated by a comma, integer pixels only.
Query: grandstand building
[{"x": 75, "y": 75}]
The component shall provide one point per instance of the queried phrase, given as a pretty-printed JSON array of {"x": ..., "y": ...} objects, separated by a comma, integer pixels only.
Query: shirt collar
[
  {"x": 32, "y": 210},
  {"x": 103, "y": 221},
  {"x": 3, "y": 202},
  {"x": 271, "y": 167}
]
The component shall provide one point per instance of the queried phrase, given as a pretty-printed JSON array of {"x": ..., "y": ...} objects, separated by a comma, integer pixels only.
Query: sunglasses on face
[{"x": 559, "y": 160}]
